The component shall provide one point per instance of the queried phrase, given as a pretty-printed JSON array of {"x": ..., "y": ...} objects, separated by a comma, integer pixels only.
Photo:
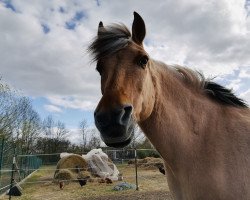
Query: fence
[
  {"x": 14, "y": 166},
  {"x": 45, "y": 164},
  {"x": 123, "y": 155}
]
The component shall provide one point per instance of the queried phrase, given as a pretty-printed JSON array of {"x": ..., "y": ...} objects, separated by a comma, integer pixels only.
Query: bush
[{"x": 147, "y": 153}]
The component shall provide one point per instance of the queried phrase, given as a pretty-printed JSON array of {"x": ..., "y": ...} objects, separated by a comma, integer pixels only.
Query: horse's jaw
[{"x": 119, "y": 144}]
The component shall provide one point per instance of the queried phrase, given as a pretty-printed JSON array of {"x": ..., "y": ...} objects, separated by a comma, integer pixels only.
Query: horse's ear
[
  {"x": 100, "y": 24},
  {"x": 100, "y": 28},
  {"x": 138, "y": 29}
]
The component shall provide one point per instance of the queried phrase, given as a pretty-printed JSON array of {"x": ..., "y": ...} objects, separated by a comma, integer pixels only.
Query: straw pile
[{"x": 148, "y": 162}]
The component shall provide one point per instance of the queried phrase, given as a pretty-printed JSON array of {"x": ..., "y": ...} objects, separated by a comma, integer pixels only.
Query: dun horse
[{"x": 200, "y": 128}]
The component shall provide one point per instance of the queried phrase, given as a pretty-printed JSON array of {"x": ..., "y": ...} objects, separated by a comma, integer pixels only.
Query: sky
[{"x": 43, "y": 47}]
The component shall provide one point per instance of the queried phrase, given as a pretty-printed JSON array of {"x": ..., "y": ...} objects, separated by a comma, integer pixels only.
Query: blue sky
[
  {"x": 71, "y": 116},
  {"x": 43, "y": 46}
]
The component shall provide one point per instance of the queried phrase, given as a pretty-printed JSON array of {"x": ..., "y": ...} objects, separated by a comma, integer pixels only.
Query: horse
[{"x": 201, "y": 129}]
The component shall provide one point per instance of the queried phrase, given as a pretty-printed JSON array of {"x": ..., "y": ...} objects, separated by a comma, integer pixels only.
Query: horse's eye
[{"x": 143, "y": 61}]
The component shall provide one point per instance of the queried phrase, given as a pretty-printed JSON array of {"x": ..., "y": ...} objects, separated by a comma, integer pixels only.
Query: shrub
[{"x": 147, "y": 153}]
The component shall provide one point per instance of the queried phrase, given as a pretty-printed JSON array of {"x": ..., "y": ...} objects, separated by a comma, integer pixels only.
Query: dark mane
[
  {"x": 214, "y": 91},
  {"x": 223, "y": 95},
  {"x": 109, "y": 40}
]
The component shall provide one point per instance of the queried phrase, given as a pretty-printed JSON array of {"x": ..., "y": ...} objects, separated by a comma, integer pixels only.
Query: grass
[{"x": 40, "y": 186}]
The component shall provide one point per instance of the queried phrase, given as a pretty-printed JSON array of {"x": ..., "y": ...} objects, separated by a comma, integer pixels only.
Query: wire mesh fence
[
  {"x": 14, "y": 166},
  {"x": 124, "y": 155},
  {"x": 6, "y": 156},
  {"x": 44, "y": 166}
]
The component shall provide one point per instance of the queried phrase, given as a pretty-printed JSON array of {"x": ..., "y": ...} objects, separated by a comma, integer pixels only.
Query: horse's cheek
[
  {"x": 137, "y": 104},
  {"x": 144, "y": 106}
]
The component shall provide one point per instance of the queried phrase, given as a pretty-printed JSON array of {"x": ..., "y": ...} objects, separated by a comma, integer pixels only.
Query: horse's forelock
[{"x": 109, "y": 40}]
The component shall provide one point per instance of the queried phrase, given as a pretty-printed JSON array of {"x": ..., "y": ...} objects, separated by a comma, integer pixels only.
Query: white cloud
[
  {"x": 52, "y": 108},
  {"x": 246, "y": 96},
  {"x": 71, "y": 102},
  {"x": 245, "y": 73},
  {"x": 235, "y": 84},
  {"x": 211, "y": 36},
  {"x": 75, "y": 135}
]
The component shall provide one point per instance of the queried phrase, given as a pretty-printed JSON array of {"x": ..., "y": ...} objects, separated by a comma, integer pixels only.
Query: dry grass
[{"x": 149, "y": 181}]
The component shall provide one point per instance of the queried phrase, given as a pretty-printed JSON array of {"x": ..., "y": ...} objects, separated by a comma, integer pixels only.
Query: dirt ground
[
  {"x": 155, "y": 195},
  {"x": 40, "y": 186}
]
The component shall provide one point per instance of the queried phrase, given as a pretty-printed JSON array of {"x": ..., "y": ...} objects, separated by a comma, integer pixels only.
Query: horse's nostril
[
  {"x": 102, "y": 119},
  {"x": 126, "y": 114},
  {"x": 119, "y": 116},
  {"x": 128, "y": 108}
]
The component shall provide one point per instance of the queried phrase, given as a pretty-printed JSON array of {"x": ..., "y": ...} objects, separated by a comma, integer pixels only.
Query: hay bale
[
  {"x": 64, "y": 174},
  {"x": 70, "y": 166},
  {"x": 84, "y": 175},
  {"x": 72, "y": 162}
]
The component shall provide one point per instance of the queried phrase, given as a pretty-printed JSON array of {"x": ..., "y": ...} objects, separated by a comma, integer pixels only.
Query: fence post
[
  {"x": 136, "y": 175},
  {"x": 1, "y": 159},
  {"x": 12, "y": 171},
  {"x": 21, "y": 168}
]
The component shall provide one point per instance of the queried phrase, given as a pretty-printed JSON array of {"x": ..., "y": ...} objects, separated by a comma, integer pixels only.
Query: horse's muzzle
[{"x": 115, "y": 126}]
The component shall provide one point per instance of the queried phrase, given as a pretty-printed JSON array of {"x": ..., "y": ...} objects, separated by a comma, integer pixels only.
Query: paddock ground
[{"x": 152, "y": 185}]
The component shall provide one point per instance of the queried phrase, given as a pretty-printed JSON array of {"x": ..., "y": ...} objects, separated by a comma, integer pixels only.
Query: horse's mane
[
  {"x": 213, "y": 90},
  {"x": 109, "y": 40}
]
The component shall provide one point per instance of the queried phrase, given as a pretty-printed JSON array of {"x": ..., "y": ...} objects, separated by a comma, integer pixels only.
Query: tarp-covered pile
[{"x": 100, "y": 164}]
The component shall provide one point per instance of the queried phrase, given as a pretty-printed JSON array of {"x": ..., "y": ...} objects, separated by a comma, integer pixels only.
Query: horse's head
[{"x": 126, "y": 83}]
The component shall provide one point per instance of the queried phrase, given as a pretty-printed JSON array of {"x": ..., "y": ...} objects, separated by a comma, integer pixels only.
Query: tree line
[{"x": 22, "y": 127}]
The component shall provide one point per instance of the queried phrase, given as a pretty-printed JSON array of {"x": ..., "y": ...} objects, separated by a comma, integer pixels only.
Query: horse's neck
[
  {"x": 204, "y": 144},
  {"x": 174, "y": 120}
]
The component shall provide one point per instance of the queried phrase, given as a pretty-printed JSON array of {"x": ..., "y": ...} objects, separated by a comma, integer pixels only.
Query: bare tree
[
  {"x": 8, "y": 111},
  {"x": 55, "y": 136},
  {"x": 47, "y": 126},
  {"x": 94, "y": 140},
  {"x": 83, "y": 128},
  {"x": 60, "y": 131},
  {"x": 138, "y": 138},
  {"x": 19, "y": 123},
  {"x": 54, "y": 130},
  {"x": 29, "y": 127}
]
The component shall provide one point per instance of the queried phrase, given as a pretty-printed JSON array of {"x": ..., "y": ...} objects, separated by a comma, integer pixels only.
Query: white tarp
[
  {"x": 101, "y": 165},
  {"x": 63, "y": 154}
]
